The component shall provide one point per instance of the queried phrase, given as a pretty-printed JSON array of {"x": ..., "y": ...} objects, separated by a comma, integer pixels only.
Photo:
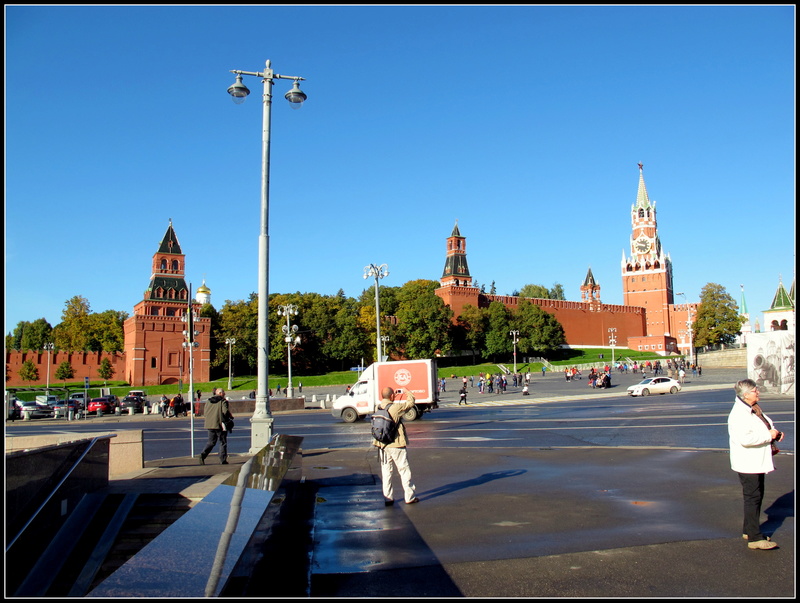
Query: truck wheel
[
  {"x": 350, "y": 415},
  {"x": 412, "y": 414}
]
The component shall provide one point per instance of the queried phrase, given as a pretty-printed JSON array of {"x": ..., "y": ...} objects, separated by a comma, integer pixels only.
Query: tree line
[{"x": 337, "y": 332}]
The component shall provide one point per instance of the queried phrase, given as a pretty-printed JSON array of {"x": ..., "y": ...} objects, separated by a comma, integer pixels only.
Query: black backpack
[{"x": 384, "y": 429}]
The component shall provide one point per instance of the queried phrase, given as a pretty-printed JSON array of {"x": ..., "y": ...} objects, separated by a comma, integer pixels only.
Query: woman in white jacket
[{"x": 751, "y": 434}]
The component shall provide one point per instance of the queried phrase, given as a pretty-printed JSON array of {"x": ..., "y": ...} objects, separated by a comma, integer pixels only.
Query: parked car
[
  {"x": 36, "y": 411},
  {"x": 134, "y": 402},
  {"x": 655, "y": 385},
  {"x": 80, "y": 398},
  {"x": 64, "y": 406},
  {"x": 105, "y": 404}
]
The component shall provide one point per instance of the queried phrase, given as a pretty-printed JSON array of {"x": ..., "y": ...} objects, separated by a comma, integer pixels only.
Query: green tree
[
  {"x": 105, "y": 331},
  {"x": 423, "y": 321},
  {"x": 30, "y": 335},
  {"x": 498, "y": 340},
  {"x": 105, "y": 371},
  {"x": 471, "y": 327},
  {"x": 73, "y": 332},
  {"x": 542, "y": 292},
  {"x": 28, "y": 371},
  {"x": 65, "y": 371},
  {"x": 718, "y": 320},
  {"x": 540, "y": 332},
  {"x": 535, "y": 291},
  {"x": 348, "y": 343},
  {"x": 239, "y": 320},
  {"x": 557, "y": 292}
]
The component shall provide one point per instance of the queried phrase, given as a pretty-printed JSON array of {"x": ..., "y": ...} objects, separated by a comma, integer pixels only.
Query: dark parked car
[
  {"x": 64, "y": 406},
  {"x": 134, "y": 402},
  {"x": 105, "y": 404}
]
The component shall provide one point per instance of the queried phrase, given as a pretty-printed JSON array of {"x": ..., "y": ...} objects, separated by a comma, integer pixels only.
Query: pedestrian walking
[{"x": 216, "y": 414}]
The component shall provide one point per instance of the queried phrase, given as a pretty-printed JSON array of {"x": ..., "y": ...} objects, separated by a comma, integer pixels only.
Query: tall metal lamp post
[
  {"x": 378, "y": 272},
  {"x": 689, "y": 327},
  {"x": 230, "y": 341},
  {"x": 291, "y": 338},
  {"x": 612, "y": 341},
  {"x": 261, "y": 422},
  {"x": 515, "y": 339},
  {"x": 49, "y": 347},
  {"x": 190, "y": 343}
]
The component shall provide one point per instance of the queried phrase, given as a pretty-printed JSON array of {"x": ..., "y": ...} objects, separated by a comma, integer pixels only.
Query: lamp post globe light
[
  {"x": 378, "y": 272},
  {"x": 49, "y": 347},
  {"x": 291, "y": 338},
  {"x": 261, "y": 422},
  {"x": 515, "y": 339},
  {"x": 230, "y": 341},
  {"x": 612, "y": 341},
  {"x": 689, "y": 328}
]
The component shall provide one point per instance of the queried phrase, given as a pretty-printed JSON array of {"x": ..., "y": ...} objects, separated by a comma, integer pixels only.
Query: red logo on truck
[{"x": 411, "y": 375}]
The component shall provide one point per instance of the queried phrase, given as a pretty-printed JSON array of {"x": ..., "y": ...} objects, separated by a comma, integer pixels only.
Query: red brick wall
[
  {"x": 84, "y": 363},
  {"x": 584, "y": 323}
]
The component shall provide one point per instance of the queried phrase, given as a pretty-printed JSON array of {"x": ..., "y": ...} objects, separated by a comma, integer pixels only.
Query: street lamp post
[
  {"x": 291, "y": 338},
  {"x": 261, "y": 422},
  {"x": 49, "y": 347},
  {"x": 612, "y": 341},
  {"x": 689, "y": 328},
  {"x": 190, "y": 333},
  {"x": 229, "y": 342},
  {"x": 515, "y": 339},
  {"x": 378, "y": 272}
]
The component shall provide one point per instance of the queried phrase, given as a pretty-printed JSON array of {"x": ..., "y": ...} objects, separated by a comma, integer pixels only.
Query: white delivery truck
[{"x": 417, "y": 376}]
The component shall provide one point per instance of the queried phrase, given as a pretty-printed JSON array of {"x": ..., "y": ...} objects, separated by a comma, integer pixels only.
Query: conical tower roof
[
  {"x": 782, "y": 300},
  {"x": 169, "y": 243},
  {"x": 642, "y": 200}
]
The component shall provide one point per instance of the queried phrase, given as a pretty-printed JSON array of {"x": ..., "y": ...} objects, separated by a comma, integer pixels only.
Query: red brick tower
[
  {"x": 154, "y": 336},
  {"x": 647, "y": 275}
]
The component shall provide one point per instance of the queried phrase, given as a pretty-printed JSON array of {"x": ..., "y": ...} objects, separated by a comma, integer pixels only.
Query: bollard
[
  {"x": 26, "y": 415},
  {"x": 130, "y": 410},
  {"x": 70, "y": 415}
]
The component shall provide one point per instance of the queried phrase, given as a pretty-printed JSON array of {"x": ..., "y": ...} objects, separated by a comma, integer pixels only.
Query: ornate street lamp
[
  {"x": 378, "y": 272},
  {"x": 261, "y": 422},
  {"x": 515, "y": 339},
  {"x": 291, "y": 338}
]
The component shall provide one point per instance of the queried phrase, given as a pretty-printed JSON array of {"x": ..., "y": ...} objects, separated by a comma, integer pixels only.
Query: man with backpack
[{"x": 392, "y": 445}]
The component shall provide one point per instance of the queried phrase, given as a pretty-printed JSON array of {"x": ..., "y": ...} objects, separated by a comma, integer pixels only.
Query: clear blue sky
[{"x": 524, "y": 123}]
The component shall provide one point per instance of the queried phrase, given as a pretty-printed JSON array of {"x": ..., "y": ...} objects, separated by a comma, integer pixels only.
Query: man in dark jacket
[{"x": 215, "y": 412}]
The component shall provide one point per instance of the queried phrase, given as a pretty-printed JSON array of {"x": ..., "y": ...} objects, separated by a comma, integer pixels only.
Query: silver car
[{"x": 655, "y": 385}]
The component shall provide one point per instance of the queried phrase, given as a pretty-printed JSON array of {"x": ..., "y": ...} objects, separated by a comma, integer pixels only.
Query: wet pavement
[{"x": 593, "y": 522}]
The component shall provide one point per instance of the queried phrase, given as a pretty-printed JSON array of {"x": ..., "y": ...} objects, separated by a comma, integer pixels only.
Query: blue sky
[{"x": 524, "y": 123}]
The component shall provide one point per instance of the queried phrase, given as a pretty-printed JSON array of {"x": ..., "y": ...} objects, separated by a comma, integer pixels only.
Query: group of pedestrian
[{"x": 174, "y": 406}]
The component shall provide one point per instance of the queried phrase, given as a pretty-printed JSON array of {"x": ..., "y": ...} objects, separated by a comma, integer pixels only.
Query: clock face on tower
[{"x": 642, "y": 245}]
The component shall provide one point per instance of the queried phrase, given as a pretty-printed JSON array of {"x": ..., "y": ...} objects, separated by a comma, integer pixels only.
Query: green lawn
[{"x": 343, "y": 378}]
